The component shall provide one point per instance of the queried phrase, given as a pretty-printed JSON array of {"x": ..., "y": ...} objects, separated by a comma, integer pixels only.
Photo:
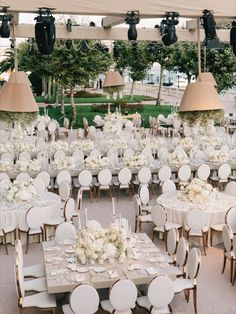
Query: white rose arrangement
[
  {"x": 208, "y": 140},
  {"x": 178, "y": 158},
  {"x": 67, "y": 162},
  {"x": 114, "y": 117},
  {"x": 21, "y": 191},
  {"x": 25, "y": 147},
  {"x": 58, "y": 145},
  {"x": 5, "y": 165},
  {"x": 24, "y": 165},
  {"x": 119, "y": 144},
  {"x": 197, "y": 191},
  {"x": 84, "y": 145},
  {"x": 97, "y": 162},
  {"x": 218, "y": 156},
  {"x": 6, "y": 148},
  {"x": 99, "y": 245},
  {"x": 112, "y": 128},
  {"x": 17, "y": 133},
  {"x": 44, "y": 119},
  {"x": 187, "y": 143},
  {"x": 137, "y": 160}
]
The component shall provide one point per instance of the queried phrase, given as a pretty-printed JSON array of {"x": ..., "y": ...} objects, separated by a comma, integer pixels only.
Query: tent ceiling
[{"x": 147, "y": 8}]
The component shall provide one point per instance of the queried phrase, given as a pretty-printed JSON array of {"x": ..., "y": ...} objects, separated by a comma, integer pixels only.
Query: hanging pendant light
[
  {"x": 113, "y": 79},
  {"x": 206, "y": 77}
]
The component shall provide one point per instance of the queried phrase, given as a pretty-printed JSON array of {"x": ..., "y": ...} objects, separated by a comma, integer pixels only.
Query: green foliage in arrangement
[
  {"x": 23, "y": 117},
  {"x": 202, "y": 117}
]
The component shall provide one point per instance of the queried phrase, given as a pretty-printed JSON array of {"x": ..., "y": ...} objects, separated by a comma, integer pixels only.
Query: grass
[
  {"x": 92, "y": 100},
  {"x": 86, "y": 111}
]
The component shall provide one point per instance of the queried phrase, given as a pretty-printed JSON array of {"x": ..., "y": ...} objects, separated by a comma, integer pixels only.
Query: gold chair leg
[
  {"x": 27, "y": 243},
  {"x": 5, "y": 242},
  {"x": 195, "y": 299},
  {"x": 224, "y": 263}
]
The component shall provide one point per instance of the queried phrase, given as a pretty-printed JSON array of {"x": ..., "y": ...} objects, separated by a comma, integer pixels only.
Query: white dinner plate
[
  {"x": 82, "y": 269},
  {"x": 99, "y": 269}
]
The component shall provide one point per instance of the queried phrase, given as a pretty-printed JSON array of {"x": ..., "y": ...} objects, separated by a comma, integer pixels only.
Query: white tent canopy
[{"x": 148, "y": 8}]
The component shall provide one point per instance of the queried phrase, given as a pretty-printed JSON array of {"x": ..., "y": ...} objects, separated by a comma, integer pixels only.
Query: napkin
[
  {"x": 112, "y": 273},
  {"x": 151, "y": 271},
  {"x": 57, "y": 272},
  {"x": 79, "y": 278}
]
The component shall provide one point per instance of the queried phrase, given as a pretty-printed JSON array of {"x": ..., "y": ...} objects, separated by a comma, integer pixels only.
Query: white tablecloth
[{"x": 15, "y": 212}]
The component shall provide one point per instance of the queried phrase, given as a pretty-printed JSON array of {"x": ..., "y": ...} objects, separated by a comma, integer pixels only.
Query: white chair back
[
  {"x": 124, "y": 176},
  {"x": 184, "y": 173},
  {"x": 169, "y": 187},
  {"x": 230, "y": 217},
  {"x": 63, "y": 175},
  {"x": 182, "y": 252},
  {"x": 3, "y": 176},
  {"x": 43, "y": 175},
  {"x": 164, "y": 173},
  {"x": 59, "y": 154},
  {"x": 105, "y": 177},
  {"x": 23, "y": 177},
  {"x": 137, "y": 205},
  {"x": 84, "y": 299},
  {"x": 25, "y": 156},
  {"x": 172, "y": 240},
  {"x": 144, "y": 194},
  {"x": 224, "y": 171},
  {"x": 196, "y": 219},
  {"x": 95, "y": 153},
  {"x": 128, "y": 152},
  {"x": 39, "y": 186},
  {"x": 35, "y": 217},
  {"x": 69, "y": 209},
  {"x": 230, "y": 188},
  {"x": 203, "y": 172},
  {"x": 65, "y": 231},
  {"x": 227, "y": 235},
  {"x": 159, "y": 215},
  {"x": 144, "y": 175},
  {"x": 78, "y": 155},
  {"x": 85, "y": 178},
  {"x": 7, "y": 157},
  {"x": 64, "y": 190},
  {"x": 160, "y": 293},
  {"x": 123, "y": 295},
  {"x": 52, "y": 127},
  {"x": 193, "y": 263},
  {"x": 79, "y": 199},
  {"x": 94, "y": 224}
]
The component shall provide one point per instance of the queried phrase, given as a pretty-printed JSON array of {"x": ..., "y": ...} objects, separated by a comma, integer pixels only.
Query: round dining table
[{"x": 13, "y": 213}]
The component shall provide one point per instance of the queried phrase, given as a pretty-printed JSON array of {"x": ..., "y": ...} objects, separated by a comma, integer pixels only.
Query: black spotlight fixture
[
  {"x": 116, "y": 50},
  {"x": 69, "y": 25},
  {"x": 45, "y": 31},
  {"x": 132, "y": 19},
  {"x": 13, "y": 42},
  {"x": 5, "y": 18},
  {"x": 84, "y": 46},
  {"x": 233, "y": 36},
  {"x": 92, "y": 24},
  {"x": 167, "y": 28},
  {"x": 69, "y": 44},
  {"x": 207, "y": 20}
]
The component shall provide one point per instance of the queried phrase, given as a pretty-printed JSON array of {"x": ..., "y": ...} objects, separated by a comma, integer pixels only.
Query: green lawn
[
  {"x": 86, "y": 111},
  {"x": 92, "y": 100}
]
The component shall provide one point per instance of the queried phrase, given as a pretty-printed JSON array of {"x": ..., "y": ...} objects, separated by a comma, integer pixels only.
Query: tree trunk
[
  {"x": 132, "y": 90},
  {"x": 57, "y": 95},
  {"x": 44, "y": 86},
  {"x": 49, "y": 88},
  {"x": 189, "y": 77},
  {"x": 62, "y": 100},
  {"x": 73, "y": 107},
  {"x": 158, "y": 102}
]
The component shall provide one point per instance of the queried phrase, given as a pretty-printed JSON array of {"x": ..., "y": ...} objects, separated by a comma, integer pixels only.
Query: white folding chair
[
  {"x": 144, "y": 196},
  {"x": 159, "y": 295},
  {"x": 196, "y": 226},
  {"x": 230, "y": 188},
  {"x": 203, "y": 172},
  {"x": 23, "y": 177},
  {"x": 190, "y": 282},
  {"x": 65, "y": 231},
  {"x": 104, "y": 182},
  {"x": 63, "y": 175},
  {"x": 144, "y": 176},
  {"x": 169, "y": 187},
  {"x": 122, "y": 297},
  {"x": 124, "y": 178},
  {"x": 64, "y": 190},
  {"x": 184, "y": 174},
  {"x": 83, "y": 299},
  {"x": 45, "y": 177},
  {"x": 85, "y": 179},
  {"x": 164, "y": 174}
]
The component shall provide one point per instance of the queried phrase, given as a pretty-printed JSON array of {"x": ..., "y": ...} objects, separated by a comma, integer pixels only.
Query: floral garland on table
[
  {"x": 17, "y": 133},
  {"x": 99, "y": 245},
  {"x": 208, "y": 140},
  {"x": 178, "y": 158},
  {"x": 5, "y": 165},
  {"x": 24, "y": 165},
  {"x": 20, "y": 191},
  {"x": 97, "y": 162},
  {"x": 202, "y": 117},
  {"x": 25, "y": 147},
  {"x": 22, "y": 117},
  {"x": 197, "y": 191},
  {"x": 58, "y": 145},
  {"x": 67, "y": 162},
  {"x": 84, "y": 145},
  {"x": 219, "y": 157},
  {"x": 186, "y": 143},
  {"x": 6, "y": 148},
  {"x": 137, "y": 160}
]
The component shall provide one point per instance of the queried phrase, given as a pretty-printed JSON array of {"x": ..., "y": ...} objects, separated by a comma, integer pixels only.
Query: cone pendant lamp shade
[
  {"x": 200, "y": 96},
  {"x": 206, "y": 77},
  {"x": 113, "y": 79},
  {"x": 16, "y": 95}
]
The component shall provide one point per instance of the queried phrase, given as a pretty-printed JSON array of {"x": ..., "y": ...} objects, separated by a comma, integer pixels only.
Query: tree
[
  {"x": 133, "y": 57},
  {"x": 7, "y": 64},
  {"x": 157, "y": 52}
]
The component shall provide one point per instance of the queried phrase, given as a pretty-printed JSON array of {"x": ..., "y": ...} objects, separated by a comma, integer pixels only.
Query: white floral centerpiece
[
  {"x": 208, "y": 140},
  {"x": 197, "y": 191},
  {"x": 58, "y": 145},
  {"x": 119, "y": 144},
  {"x": 18, "y": 133},
  {"x": 99, "y": 245},
  {"x": 21, "y": 191},
  {"x": 67, "y": 162},
  {"x": 137, "y": 160},
  {"x": 152, "y": 143},
  {"x": 97, "y": 162},
  {"x": 6, "y": 147},
  {"x": 114, "y": 117},
  {"x": 84, "y": 145},
  {"x": 25, "y": 147},
  {"x": 112, "y": 128},
  {"x": 24, "y": 165},
  {"x": 187, "y": 143},
  {"x": 5, "y": 165},
  {"x": 44, "y": 119},
  {"x": 178, "y": 158},
  {"x": 219, "y": 156}
]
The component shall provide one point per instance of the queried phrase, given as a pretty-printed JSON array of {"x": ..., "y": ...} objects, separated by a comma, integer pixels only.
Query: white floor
[{"x": 215, "y": 293}]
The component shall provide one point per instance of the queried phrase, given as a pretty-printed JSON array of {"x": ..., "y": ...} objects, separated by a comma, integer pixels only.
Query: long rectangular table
[{"x": 64, "y": 272}]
